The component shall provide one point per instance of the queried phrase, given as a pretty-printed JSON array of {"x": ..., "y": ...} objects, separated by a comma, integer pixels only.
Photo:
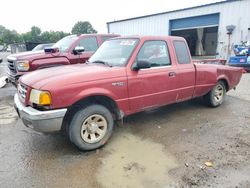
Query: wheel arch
[
  {"x": 225, "y": 81},
  {"x": 104, "y": 100}
]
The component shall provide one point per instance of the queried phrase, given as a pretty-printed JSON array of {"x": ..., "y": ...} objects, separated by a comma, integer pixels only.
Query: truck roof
[
  {"x": 149, "y": 37},
  {"x": 95, "y": 34}
]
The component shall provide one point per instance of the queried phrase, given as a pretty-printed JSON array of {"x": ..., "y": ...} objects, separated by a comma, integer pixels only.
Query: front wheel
[
  {"x": 91, "y": 127},
  {"x": 216, "y": 96}
]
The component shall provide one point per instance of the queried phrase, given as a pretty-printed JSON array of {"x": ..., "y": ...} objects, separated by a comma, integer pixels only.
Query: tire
[
  {"x": 90, "y": 127},
  {"x": 216, "y": 96}
]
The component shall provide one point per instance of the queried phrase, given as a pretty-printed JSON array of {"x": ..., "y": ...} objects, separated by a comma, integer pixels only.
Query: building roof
[{"x": 161, "y": 13}]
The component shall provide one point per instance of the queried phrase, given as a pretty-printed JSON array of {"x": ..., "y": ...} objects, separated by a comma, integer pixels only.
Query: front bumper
[
  {"x": 41, "y": 121},
  {"x": 13, "y": 78}
]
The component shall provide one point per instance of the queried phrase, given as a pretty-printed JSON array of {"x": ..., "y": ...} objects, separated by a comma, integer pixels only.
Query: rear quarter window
[{"x": 182, "y": 52}]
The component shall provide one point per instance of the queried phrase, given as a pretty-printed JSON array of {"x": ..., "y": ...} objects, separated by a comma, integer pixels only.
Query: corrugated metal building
[{"x": 204, "y": 27}]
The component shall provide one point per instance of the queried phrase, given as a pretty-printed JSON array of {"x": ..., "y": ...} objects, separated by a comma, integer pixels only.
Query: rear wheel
[
  {"x": 91, "y": 127},
  {"x": 216, "y": 96}
]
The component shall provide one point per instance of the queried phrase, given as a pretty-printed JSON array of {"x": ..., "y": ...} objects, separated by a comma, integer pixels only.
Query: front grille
[
  {"x": 22, "y": 90},
  {"x": 11, "y": 66}
]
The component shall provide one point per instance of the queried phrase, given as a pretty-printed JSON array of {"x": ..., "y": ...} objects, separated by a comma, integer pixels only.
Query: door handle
[{"x": 171, "y": 74}]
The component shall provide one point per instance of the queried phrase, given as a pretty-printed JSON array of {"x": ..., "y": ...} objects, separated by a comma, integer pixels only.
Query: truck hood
[
  {"x": 61, "y": 76},
  {"x": 32, "y": 55}
]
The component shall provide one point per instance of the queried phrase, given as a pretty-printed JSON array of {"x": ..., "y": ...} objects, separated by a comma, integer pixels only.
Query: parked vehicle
[
  {"x": 242, "y": 56},
  {"x": 66, "y": 51},
  {"x": 8, "y": 49},
  {"x": 42, "y": 46},
  {"x": 126, "y": 75}
]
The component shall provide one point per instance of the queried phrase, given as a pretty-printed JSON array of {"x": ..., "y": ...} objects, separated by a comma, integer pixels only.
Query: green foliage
[
  {"x": 9, "y": 37},
  {"x": 2, "y": 29},
  {"x": 37, "y": 36},
  {"x": 35, "y": 31},
  {"x": 83, "y": 28},
  {"x": 52, "y": 36}
]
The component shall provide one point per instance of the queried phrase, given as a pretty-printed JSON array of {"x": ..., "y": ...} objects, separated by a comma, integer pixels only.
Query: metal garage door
[{"x": 209, "y": 20}]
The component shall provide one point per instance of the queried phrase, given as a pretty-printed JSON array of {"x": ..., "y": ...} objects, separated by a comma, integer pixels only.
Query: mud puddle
[
  {"x": 8, "y": 114},
  {"x": 135, "y": 162}
]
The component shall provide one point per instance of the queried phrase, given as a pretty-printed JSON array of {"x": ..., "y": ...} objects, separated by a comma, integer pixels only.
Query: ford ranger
[
  {"x": 66, "y": 51},
  {"x": 126, "y": 75}
]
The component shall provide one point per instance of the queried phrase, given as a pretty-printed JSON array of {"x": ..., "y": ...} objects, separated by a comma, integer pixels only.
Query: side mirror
[
  {"x": 1, "y": 60},
  {"x": 142, "y": 64},
  {"x": 78, "y": 50}
]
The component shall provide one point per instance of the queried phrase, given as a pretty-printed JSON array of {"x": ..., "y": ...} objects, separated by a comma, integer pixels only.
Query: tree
[
  {"x": 9, "y": 37},
  {"x": 27, "y": 36},
  {"x": 35, "y": 31},
  {"x": 52, "y": 36},
  {"x": 83, "y": 28},
  {"x": 2, "y": 31},
  {"x": 35, "y": 35}
]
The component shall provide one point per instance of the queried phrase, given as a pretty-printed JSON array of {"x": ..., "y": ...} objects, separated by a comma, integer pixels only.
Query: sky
[{"x": 61, "y": 15}]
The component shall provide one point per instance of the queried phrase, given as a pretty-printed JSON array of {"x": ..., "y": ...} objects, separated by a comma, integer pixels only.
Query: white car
[{"x": 8, "y": 49}]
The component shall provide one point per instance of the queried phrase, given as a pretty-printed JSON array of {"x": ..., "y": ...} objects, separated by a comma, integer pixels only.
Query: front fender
[
  {"x": 122, "y": 103},
  {"x": 93, "y": 92}
]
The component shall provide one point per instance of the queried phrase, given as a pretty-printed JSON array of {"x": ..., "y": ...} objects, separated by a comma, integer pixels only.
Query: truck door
[
  {"x": 186, "y": 71},
  {"x": 156, "y": 85},
  {"x": 90, "y": 46}
]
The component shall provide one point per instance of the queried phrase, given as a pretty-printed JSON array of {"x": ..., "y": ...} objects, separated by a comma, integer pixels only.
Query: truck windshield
[
  {"x": 115, "y": 52},
  {"x": 65, "y": 43}
]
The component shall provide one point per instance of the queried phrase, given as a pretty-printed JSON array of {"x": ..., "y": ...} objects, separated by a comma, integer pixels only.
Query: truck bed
[
  {"x": 205, "y": 78},
  {"x": 210, "y": 61}
]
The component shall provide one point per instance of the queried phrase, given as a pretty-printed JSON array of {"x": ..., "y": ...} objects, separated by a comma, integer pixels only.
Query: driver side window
[
  {"x": 155, "y": 52},
  {"x": 89, "y": 44}
]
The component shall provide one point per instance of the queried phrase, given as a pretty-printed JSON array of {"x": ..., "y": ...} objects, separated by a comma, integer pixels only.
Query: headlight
[
  {"x": 23, "y": 65},
  {"x": 40, "y": 97}
]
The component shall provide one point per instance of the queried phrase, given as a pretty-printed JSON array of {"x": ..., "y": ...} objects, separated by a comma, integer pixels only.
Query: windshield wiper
[{"x": 102, "y": 62}]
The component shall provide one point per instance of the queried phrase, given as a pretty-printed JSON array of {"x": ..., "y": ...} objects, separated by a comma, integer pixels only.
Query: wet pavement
[
  {"x": 3, "y": 65},
  {"x": 161, "y": 148}
]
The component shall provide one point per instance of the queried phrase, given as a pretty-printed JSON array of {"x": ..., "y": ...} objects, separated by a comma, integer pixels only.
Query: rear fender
[{"x": 225, "y": 79}]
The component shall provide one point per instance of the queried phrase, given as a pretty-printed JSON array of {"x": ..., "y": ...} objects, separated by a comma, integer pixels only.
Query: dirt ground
[{"x": 167, "y": 147}]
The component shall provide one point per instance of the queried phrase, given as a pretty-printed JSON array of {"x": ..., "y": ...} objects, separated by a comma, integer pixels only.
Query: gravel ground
[{"x": 167, "y": 147}]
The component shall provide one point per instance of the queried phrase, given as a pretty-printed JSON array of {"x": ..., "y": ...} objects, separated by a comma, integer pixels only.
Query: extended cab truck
[
  {"x": 67, "y": 51},
  {"x": 125, "y": 75}
]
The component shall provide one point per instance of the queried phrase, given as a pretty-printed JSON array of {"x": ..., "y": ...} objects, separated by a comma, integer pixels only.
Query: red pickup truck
[
  {"x": 66, "y": 51},
  {"x": 126, "y": 75}
]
